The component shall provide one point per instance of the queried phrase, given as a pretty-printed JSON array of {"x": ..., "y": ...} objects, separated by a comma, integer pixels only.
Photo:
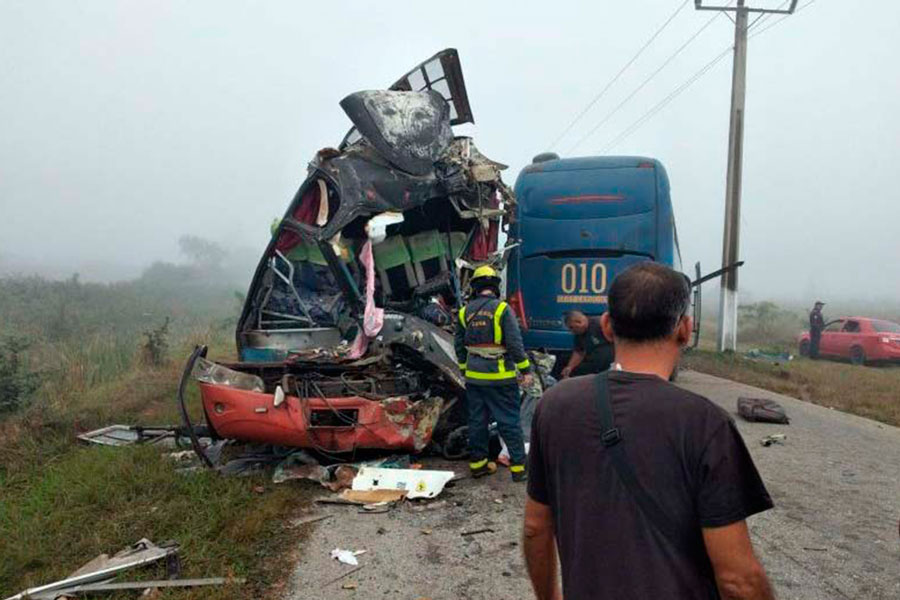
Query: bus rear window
[{"x": 588, "y": 193}]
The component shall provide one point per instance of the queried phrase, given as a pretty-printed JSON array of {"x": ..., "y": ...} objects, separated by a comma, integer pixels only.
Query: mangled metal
[{"x": 344, "y": 341}]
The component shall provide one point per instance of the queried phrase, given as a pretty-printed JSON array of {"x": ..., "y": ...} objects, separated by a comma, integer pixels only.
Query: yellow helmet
[
  {"x": 484, "y": 277},
  {"x": 484, "y": 271}
]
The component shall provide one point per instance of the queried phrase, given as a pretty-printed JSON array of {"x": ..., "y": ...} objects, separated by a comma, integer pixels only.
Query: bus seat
[
  {"x": 428, "y": 253},
  {"x": 394, "y": 265}
]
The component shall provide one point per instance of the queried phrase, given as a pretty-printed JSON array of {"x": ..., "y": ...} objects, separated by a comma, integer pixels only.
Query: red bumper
[{"x": 333, "y": 424}]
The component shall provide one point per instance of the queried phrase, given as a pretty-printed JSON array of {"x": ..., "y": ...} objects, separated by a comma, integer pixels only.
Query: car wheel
[
  {"x": 804, "y": 348},
  {"x": 857, "y": 355}
]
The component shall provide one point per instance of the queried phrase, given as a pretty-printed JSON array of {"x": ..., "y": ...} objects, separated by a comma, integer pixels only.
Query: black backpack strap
[{"x": 611, "y": 438}]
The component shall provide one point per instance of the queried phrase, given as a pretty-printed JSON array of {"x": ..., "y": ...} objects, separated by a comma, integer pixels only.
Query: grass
[
  {"x": 62, "y": 504},
  {"x": 865, "y": 391}
]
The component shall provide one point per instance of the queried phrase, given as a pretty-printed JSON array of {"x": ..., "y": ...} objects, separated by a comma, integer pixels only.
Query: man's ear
[
  {"x": 684, "y": 330},
  {"x": 606, "y": 327}
]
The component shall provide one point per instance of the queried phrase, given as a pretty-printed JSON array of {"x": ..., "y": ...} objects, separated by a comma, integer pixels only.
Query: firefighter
[
  {"x": 816, "y": 325},
  {"x": 490, "y": 352}
]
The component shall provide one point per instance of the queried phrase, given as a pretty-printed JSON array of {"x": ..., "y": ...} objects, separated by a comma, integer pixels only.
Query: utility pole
[{"x": 728, "y": 298}]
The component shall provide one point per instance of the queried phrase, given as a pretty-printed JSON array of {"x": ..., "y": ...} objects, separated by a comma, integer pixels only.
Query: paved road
[{"x": 832, "y": 535}]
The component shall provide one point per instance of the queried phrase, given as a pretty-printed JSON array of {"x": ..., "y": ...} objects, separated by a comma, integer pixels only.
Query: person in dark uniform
[
  {"x": 491, "y": 353},
  {"x": 592, "y": 352},
  {"x": 816, "y": 325}
]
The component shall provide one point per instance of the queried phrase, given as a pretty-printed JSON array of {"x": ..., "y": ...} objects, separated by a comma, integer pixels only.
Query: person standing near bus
[
  {"x": 816, "y": 325},
  {"x": 592, "y": 351},
  {"x": 491, "y": 354}
]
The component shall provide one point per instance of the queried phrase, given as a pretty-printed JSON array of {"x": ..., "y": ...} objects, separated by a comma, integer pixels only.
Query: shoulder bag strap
[{"x": 611, "y": 438}]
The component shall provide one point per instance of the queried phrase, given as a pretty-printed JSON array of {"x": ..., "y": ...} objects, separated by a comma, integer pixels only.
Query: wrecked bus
[
  {"x": 345, "y": 339},
  {"x": 578, "y": 222}
]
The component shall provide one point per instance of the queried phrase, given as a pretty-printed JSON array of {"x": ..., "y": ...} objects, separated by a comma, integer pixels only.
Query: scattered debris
[
  {"x": 301, "y": 522},
  {"x": 346, "y": 556},
  {"x": 377, "y": 508},
  {"x": 503, "y": 457},
  {"x": 816, "y": 549},
  {"x": 381, "y": 531},
  {"x": 301, "y": 465},
  {"x": 95, "y": 575},
  {"x": 498, "y": 501},
  {"x": 349, "y": 586},
  {"x": 775, "y": 438},
  {"x": 762, "y": 410},
  {"x": 427, "y": 532},
  {"x": 477, "y": 531},
  {"x": 126, "y": 435},
  {"x": 417, "y": 483},
  {"x": 339, "y": 577},
  {"x": 135, "y": 585},
  {"x": 428, "y": 506},
  {"x": 770, "y": 357},
  {"x": 373, "y": 496}
]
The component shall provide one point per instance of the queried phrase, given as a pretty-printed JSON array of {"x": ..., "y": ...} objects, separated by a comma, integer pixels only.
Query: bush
[
  {"x": 17, "y": 381},
  {"x": 768, "y": 325},
  {"x": 156, "y": 347}
]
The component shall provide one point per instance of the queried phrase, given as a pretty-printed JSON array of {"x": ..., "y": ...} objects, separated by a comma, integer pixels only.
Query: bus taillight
[{"x": 515, "y": 301}]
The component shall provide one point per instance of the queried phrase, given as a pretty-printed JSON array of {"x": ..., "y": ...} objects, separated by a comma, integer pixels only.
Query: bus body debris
[{"x": 345, "y": 339}]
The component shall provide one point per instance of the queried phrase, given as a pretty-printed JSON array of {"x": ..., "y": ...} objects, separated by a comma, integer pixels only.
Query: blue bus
[{"x": 579, "y": 222}]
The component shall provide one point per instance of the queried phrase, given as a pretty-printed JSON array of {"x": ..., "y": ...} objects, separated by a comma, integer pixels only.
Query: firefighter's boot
[
  {"x": 482, "y": 467},
  {"x": 519, "y": 473}
]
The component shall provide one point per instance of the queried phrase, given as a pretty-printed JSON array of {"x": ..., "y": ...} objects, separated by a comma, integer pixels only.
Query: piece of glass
[
  {"x": 434, "y": 70},
  {"x": 417, "y": 80},
  {"x": 209, "y": 372}
]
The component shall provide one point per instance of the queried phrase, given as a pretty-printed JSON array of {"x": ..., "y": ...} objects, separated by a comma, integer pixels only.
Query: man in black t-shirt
[
  {"x": 592, "y": 352},
  {"x": 685, "y": 453}
]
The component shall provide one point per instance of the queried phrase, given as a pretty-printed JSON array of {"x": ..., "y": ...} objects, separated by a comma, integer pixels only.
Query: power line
[
  {"x": 665, "y": 101},
  {"x": 773, "y": 24},
  {"x": 617, "y": 76},
  {"x": 668, "y": 61},
  {"x": 763, "y": 17},
  {"x": 626, "y": 133}
]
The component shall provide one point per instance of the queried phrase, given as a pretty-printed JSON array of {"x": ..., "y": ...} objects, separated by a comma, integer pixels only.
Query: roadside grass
[
  {"x": 61, "y": 503},
  {"x": 872, "y": 392},
  {"x": 94, "y": 500}
]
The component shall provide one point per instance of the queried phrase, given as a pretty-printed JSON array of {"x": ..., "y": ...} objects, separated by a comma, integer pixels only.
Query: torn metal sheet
[
  {"x": 126, "y": 435},
  {"x": 417, "y": 483},
  {"x": 143, "y": 552},
  {"x": 410, "y": 129},
  {"x": 91, "y": 588}
]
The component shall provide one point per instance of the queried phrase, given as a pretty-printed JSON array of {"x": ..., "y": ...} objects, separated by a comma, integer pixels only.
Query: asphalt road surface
[{"x": 832, "y": 535}]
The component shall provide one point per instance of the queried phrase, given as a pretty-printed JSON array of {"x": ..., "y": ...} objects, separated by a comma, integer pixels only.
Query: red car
[{"x": 859, "y": 339}]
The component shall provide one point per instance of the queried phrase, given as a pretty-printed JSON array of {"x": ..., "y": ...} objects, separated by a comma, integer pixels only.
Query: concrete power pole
[{"x": 728, "y": 299}]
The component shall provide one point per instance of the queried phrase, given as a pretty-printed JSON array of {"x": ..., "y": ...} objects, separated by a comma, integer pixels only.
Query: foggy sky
[{"x": 128, "y": 124}]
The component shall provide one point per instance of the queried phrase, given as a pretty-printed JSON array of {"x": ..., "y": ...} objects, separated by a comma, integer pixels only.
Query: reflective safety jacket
[{"x": 488, "y": 343}]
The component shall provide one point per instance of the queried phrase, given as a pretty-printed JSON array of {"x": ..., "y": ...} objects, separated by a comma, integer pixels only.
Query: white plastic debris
[
  {"x": 503, "y": 457},
  {"x": 346, "y": 556},
  {"x": 417, "y": 483},
  {"x": 279, "y": 396}
]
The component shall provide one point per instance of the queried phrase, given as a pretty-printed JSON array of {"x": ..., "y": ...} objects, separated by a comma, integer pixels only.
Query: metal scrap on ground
[{"x": 95, "y": 576}]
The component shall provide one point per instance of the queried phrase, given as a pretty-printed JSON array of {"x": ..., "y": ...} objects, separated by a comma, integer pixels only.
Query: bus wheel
[
  {"x": 804, "y": 348},
  {"x": 857, "y": 355}
]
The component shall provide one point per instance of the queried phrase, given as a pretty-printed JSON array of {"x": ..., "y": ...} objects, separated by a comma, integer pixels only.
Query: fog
[{"x": 126, "y": 125}]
